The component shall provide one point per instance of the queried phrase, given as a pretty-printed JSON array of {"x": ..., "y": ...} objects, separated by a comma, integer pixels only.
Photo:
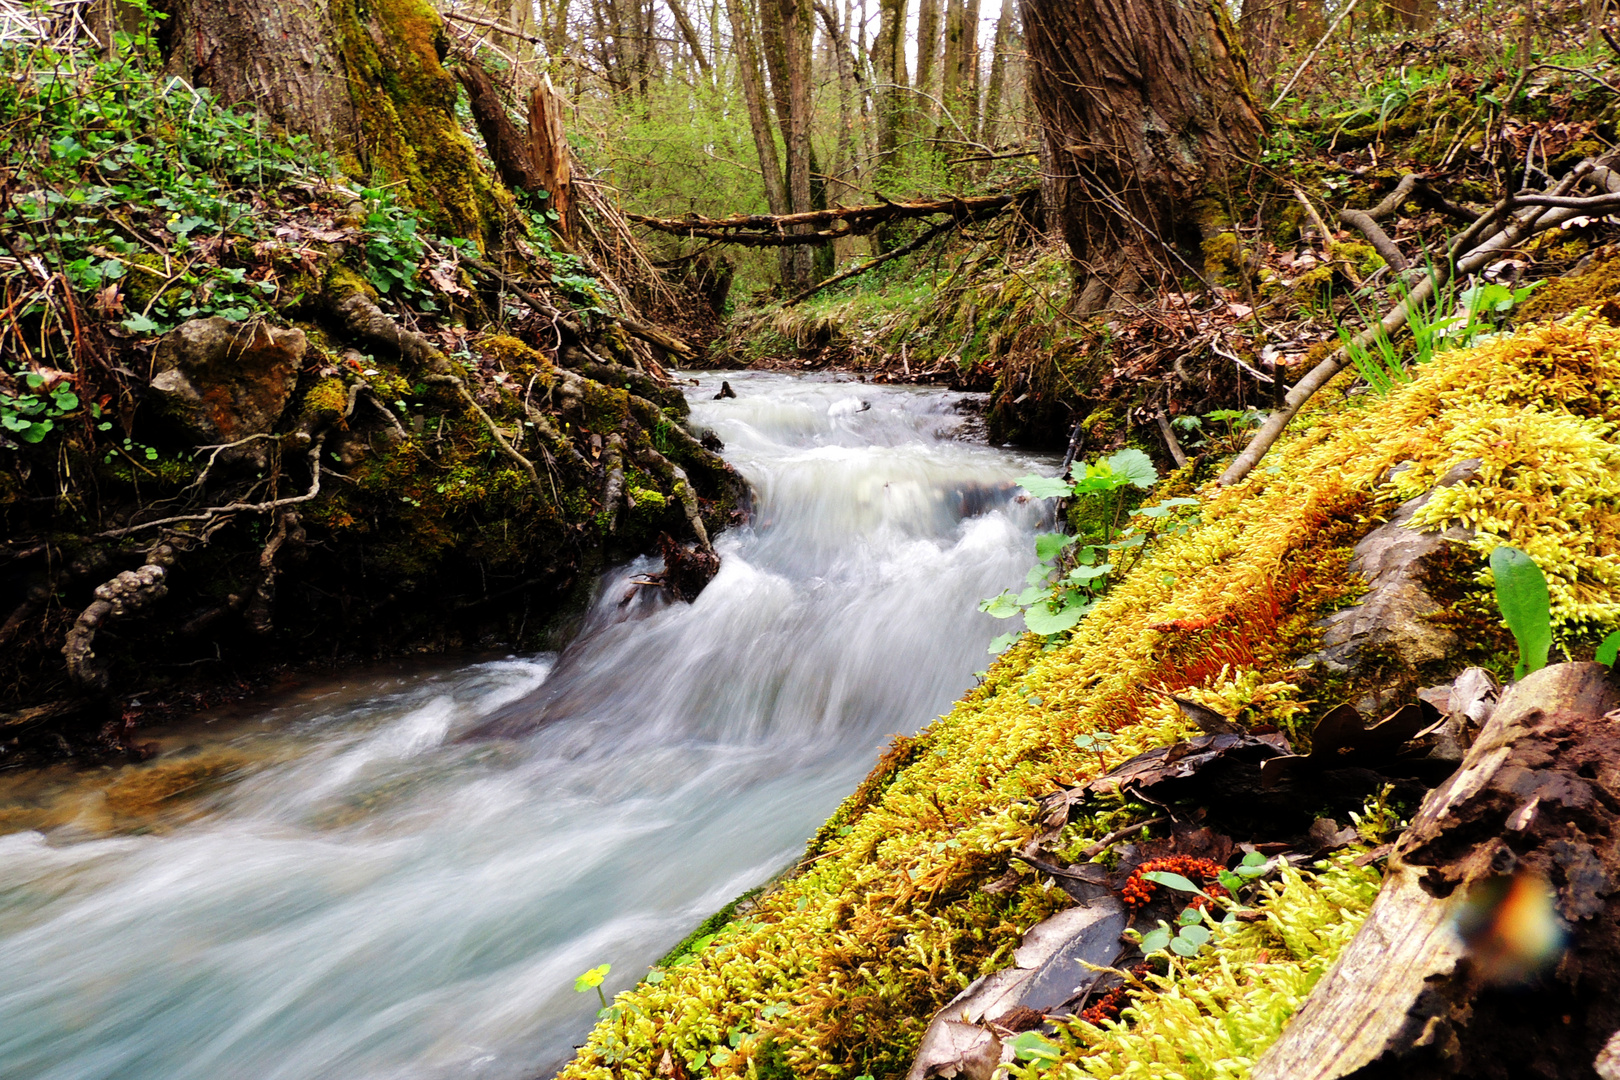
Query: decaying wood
[
  {"x": 508, "y": 147},
  {"x": 548, "y": 154},
  {"x": 1537, "y": 796},
  {"x": 775, "y": 230}
]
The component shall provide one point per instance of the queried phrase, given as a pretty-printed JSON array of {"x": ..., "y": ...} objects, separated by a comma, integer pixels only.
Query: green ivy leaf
[
  {"x": 1133, "y": 466},
  {"x": 1049, "y": 546},
  {"x": 1171, "y": 881},
  {"x": 1003, "y": 642},
  {"x": 1155, "y": 940},
  {"x": 1609, "y": 649},
  {"x": 592, "y": 978},
  {"x": 1000, "y": 607},
  {"x": 1033, "y": 1046},
  {"x": 1042, "y": 620}
]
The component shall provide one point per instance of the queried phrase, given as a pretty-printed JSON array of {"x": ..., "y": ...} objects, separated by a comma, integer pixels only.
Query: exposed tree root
[
  {"x": 123, "y": 595},
  {"x": 289, "y": 533},
  {"x": 613, "y": 484}
]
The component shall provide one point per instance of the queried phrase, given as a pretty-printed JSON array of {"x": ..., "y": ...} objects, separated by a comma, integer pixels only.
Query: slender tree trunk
[
  {"x": 928, "y": 57},
  {"x": 968, "y": 81},
  {"x": 785, "y": 32},
  {"x": 950, "y": 86},
  {"x": 745, "y": 44},
  {"x": 889, "y": 70},
  {"x": 689, "y": 32},
  {"x": 1142, "y": 103},
  {"x": 990, "y": 111}
]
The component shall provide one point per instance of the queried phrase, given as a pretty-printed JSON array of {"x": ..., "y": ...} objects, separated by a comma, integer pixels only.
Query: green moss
[
  {"x": 406, "y": 102},
  {"x": 1596, "y": 284}
]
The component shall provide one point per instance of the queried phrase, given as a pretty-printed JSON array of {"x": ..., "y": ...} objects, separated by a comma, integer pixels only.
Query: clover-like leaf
[{"x": 592, "y": 978}]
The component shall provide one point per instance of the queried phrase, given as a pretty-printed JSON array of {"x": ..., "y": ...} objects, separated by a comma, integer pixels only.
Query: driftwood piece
[{"x": 1536, "y": 799}]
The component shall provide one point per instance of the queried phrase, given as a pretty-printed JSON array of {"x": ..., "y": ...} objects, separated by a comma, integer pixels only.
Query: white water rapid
[{"x": 378, "y": 895}]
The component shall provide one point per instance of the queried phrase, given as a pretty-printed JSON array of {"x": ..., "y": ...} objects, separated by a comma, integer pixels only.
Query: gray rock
[
  {"x": 219, "y": 381},
  {"x": 1392, "y": 614}
]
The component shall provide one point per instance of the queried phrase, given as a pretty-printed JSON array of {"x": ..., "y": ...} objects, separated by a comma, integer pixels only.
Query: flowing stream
[{"x": 359, "y": 884}]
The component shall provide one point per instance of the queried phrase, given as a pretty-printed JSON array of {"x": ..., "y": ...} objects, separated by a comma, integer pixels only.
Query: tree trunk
[
  {"x": 1142, "y": 103},
  {"x": 990, "y": 111},
  {"x": 889, "y": 73},
  {"x": 928, "y": 54},
  {"x": 363, "y": 81},
  {"x": 786, "y": 29},
  {"x": 1272, "y": 27},
  {"x": 745, "y": 42},
  {"x": 689, "y": 32}
]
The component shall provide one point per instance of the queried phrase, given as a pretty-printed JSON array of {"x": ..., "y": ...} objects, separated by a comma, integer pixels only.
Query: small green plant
[
  {"x": 1073, "y": 571},
  {"x": 30, "y": 416},
  {"x": 592, "y": 980},
  {"x": 1475, "y": 311},
  {"x": 1608, "y": 650},
  {"x": 1521, "y": 593},
  {"x": 1192, "y": 930}
]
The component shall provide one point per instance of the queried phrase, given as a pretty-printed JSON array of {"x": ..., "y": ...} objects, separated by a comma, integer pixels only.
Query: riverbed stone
[{"x": 218, "y": 382}]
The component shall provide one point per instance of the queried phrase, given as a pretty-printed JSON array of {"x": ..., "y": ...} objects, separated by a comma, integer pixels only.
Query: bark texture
[
  {"x": 1427, "y": 989},
  {"x": 1142, "y": 103},
  {"x": 363, "y": 80}
]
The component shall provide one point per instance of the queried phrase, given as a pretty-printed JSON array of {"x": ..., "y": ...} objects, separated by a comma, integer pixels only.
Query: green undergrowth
[{"x": 836, "y": 972}]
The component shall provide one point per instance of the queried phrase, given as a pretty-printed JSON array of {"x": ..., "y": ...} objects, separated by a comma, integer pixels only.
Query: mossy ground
[{"x": 835, "y": 972}]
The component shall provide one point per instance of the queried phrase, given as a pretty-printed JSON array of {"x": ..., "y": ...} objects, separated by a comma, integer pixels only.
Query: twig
[
  {"x": 495, "y": 432},
  {"x": 234, "y": 508},
  {"x": 1091, "y": 851},
  {"x": 1511, "y": 234},
  {"x": 904, "y": 249},
  {"x": 1363, "y": 220},
  {"x": 502, "y": 27},
  {"x": 1170, "y": 442},
  {"x": 1303, "y": 64}
]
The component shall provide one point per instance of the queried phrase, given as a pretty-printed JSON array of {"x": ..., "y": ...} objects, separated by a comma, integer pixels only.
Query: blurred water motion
[{"x": 351, "y": 887}]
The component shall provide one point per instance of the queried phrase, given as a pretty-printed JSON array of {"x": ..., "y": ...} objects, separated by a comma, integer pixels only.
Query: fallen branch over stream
[{"x": 775, "y": 230}]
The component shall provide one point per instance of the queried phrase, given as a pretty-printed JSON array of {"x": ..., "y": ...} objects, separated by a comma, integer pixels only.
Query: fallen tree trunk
[
  {"x": 1457, "y": 970},
  {"x": 774, "y": 230}
]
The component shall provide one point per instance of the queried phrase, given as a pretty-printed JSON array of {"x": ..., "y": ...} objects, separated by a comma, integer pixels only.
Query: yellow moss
[
  {"x": 1223, "y": 257},
  {"x": 835, "y": 973},
  {"x": 329, "y": 397},
  {"x": 1364, "y": 257}
]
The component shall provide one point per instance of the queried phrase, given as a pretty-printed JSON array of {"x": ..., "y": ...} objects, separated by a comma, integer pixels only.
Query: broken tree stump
[{"x": 1536, "y": 800}]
